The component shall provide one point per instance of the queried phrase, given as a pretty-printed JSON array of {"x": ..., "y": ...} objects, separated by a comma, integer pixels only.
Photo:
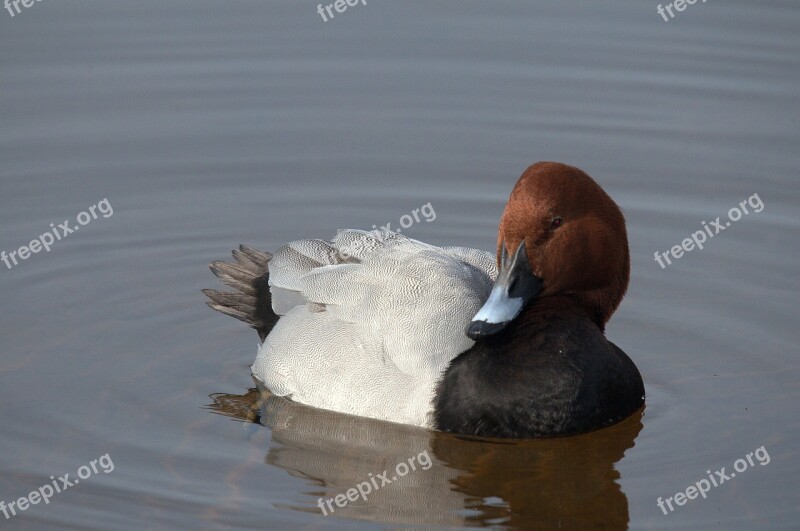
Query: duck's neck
[{"x": 542, "y": 309}]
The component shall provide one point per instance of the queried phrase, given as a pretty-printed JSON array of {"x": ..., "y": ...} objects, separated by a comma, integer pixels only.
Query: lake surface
[{"x": 203, "y": 125}]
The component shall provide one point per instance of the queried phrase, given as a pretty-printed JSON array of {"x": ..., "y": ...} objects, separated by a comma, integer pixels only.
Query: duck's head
[{"x": 560, "y": 234}]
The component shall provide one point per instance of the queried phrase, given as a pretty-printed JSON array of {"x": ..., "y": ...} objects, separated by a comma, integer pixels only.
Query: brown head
[{"x": 560, "y": 234}]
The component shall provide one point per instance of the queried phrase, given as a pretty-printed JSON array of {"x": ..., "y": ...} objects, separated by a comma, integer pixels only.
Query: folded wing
[{"x": 370, "y": 321}]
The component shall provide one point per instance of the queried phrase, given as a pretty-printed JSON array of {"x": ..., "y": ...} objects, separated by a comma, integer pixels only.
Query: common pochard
[{"x": 457, "y": 339}]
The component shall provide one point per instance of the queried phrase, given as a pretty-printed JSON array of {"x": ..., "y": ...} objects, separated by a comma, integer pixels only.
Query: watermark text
[
  {"x": 340, "y": 6},
  {"x": 363, "y": 489},
  {"x": 678, "y": 5},
  {"x": 56, "y": 486},
  {"x": 703, "y": 486},
  {"x": 712, "y": 229},
  {"x": 9, "y": 4},
  {"x": 57, "y": 233},
  {"x": 406, "y": 221}
]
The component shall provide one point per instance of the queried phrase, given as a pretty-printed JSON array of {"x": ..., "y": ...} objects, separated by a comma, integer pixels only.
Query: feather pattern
[{"x": 382, "y": 317}]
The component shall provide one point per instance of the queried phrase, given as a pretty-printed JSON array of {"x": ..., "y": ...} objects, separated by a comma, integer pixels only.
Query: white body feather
[{"x": 370, "y": 321}]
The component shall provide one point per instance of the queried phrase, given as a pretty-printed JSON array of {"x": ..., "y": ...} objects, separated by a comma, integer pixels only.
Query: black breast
[{"x": 538, "y": 378}]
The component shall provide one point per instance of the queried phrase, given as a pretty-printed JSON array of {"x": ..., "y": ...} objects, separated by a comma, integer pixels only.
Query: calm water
[{"x": 206, "y": 124}]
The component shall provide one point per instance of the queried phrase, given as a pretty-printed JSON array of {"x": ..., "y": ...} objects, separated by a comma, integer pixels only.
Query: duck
[{"x": 507, "y": 344}]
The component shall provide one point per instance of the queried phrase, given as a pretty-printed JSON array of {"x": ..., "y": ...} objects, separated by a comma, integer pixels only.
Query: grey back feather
[{"x": 376, "y": 317}]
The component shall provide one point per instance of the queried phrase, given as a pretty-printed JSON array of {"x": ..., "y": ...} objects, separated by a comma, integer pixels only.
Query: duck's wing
[
  {"x": 412, "y": 297},
  {"x": 384, "y": 314},
  {"x": 299, "y": 258},
  {"x": 251, "y": 271}
]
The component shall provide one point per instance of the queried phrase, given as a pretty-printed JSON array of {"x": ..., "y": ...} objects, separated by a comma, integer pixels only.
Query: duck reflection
[{"x": 567, "y": 483}]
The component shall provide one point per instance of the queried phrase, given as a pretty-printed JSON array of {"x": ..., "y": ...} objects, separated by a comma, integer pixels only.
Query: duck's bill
[{"x": 515, "y": 287}]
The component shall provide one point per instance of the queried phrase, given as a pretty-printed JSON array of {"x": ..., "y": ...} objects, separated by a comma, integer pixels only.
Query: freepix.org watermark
[
  {"x": 363, "y": 489},
  {"x": 679, "y": 5},
  {"x": 57, "y": 233},
  {"x": 703, "y": 486},
  {"x": 57, "y": 486},
  {"x": 406, "y": 221},
  {"x": 712, "y": 229},
  {"x": 12, "y": 6},
  {"x": 339, "y": 5}
]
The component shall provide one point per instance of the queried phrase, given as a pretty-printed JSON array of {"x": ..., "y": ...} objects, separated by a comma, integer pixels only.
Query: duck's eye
[{"x": 556, "y": 223}]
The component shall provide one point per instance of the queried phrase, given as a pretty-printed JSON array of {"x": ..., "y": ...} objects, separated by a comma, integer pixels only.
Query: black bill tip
[{"x": 481, "y": 329}]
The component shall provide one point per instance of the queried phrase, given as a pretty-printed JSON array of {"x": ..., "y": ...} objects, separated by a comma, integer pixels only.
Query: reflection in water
[{"x": 552, "y": 483}]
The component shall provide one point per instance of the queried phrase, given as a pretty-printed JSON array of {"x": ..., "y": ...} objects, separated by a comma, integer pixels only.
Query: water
[{"x": 206, "y": 124}]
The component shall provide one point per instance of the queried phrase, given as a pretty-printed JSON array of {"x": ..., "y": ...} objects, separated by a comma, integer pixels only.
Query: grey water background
[{"x": 207, "y": 124}]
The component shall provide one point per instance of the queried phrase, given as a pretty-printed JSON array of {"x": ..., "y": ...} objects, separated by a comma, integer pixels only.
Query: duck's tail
[{"x": 252, "y": 300}]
